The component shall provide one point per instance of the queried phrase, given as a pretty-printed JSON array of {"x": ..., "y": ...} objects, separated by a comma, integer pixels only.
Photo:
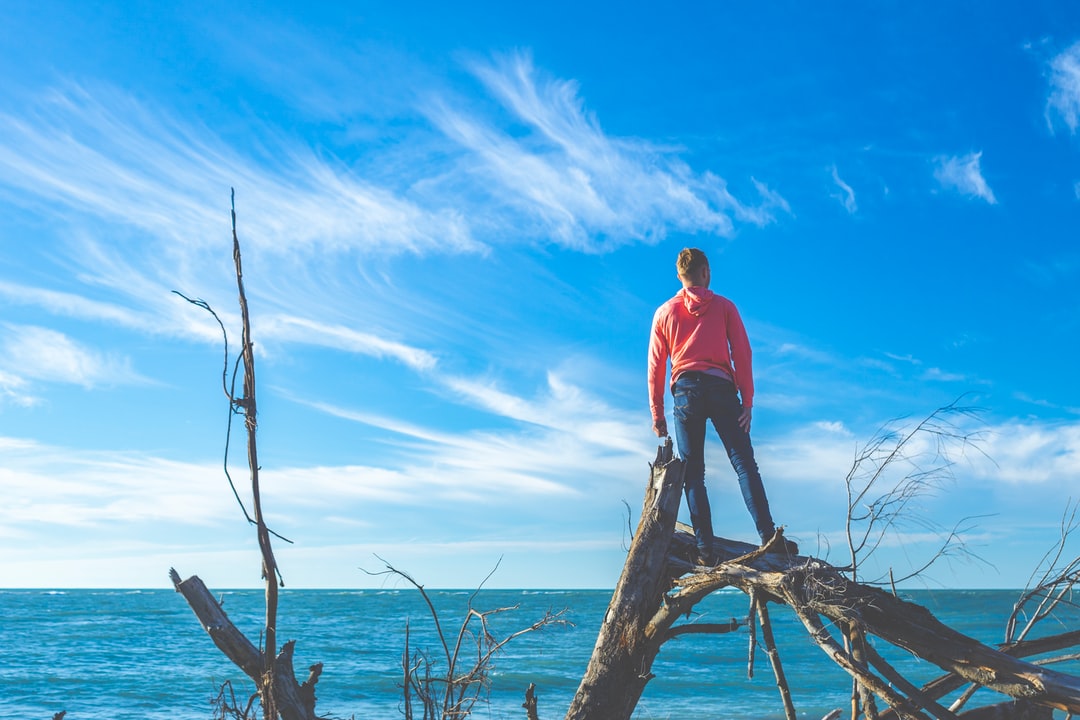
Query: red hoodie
[{"x": 698, "y": 330}]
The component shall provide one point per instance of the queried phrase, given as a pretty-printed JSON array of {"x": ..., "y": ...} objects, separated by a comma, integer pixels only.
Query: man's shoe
[
  {"x": 705, "y": 558},
  {"x": 789, "y": 548}
]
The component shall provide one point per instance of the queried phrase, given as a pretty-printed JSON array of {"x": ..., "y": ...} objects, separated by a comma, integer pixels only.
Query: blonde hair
[{"x": 690, "y": 263}]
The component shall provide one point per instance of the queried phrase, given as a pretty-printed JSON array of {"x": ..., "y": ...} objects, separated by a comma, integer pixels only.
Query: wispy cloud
[
  {"x": 1043, "y": 403},
  {"x": 909, "y": 358},
  {"x": 964, "y": 175},
  {"x": 156, "y": 186},
  {"x": 564, "y": 407},
  {"x": 846, "y": 196},
  {"x": 67, "y": 487},
  {"x": 1054, "y": 270},
  {"x": 586, "y": 189},
  {"x": 818, "y": 453},
  {"x": 311, "y": 332},
  {"x": 106, "y": 154},
  {"x": 1064, "y": 99},
  {"x": 1003, "y": 453},
  {"x": 14, "y": 390},
  {"x": 43, "y": 354},
  {"x": 1032, "y": 453},
  {"x": 100, "y": 152},
  {"x": 943, "y": 376},
  {"x": 548, "y": 439},
  {"x": 72, "y": 305},
  {"x": 805, "y": 352}
]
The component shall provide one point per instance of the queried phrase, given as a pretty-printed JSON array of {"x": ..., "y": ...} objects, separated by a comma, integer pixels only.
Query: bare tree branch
[
  {"x": 453, "y": 694},
  {"x": 894, "y": 470}
]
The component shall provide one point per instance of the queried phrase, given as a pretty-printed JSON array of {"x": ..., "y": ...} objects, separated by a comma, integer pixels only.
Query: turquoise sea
[{"x": 115, "y": 654}]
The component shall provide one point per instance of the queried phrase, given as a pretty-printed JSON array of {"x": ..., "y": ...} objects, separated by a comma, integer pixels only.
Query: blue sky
[{"x": 456, "y": 224}]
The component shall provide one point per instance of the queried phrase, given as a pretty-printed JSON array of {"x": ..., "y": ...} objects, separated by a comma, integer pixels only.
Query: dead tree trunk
[
  {"x": 272, "y": 672},
  {"x": 839, "y": 614},
  {"x": 292, "y": 700},
  {"x": 627, "y": 643},
  {"x": 269, "y": 563}
]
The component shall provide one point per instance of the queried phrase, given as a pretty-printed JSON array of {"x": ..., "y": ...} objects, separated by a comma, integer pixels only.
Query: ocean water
[{"x": 115, "y": 654}]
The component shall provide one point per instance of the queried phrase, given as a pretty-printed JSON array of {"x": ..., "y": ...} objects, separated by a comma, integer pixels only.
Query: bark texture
[
  {"x": 291, "y": 700},
  {"x": 628, "y": 641}
]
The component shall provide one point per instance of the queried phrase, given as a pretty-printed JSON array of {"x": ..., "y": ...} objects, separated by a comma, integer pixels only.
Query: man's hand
[
  {"x": 744, "y": 420},
  {"x": 660, "y": 427}
]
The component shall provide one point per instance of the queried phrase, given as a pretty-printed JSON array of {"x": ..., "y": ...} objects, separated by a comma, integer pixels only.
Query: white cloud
[
  {"x": 563, "y": 433},
  {"x": 110, "y": 156},
  {"x": 964, "y": 175},
  {"x": 909, "y": 358},
  {"x": 44, "y": 354},
  {"x": 71, "y": 305},
  {"x": 102, "y": 152},
  {"x": 833, "y": 426},
  {"x": 585, "y": 189},
  {"x": 1043, "y": 403},
  {"x": 563, "y": 407},
  {"x": 297, "y": 329},
  {"x": 543, "y": 447},
  {"x": 1007, "y": 453},
  {"x": 943, "y": 376},
  {"x": 13, "y": 389},
  {"x": 846, "y": 195},
  {"x": 1033, "y": 453},
  {"x": 66, "y": 487},
  {"x": 432, "y": 479},
  {"x": 819, "y": 453},
  {"x": 1064, "y": 99},
  {"x": 805, "y": 352}
]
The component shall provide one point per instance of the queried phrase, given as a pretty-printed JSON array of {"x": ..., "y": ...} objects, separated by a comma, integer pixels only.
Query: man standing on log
[{"x": 703, "y": 336}]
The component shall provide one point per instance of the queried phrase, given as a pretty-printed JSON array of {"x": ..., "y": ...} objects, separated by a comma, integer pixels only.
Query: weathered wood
[
  {"x": 228, "y": 638},
  {"x": 916, "y": 630},
  {"x": 818, "y": 589},
  {"x": 651, "y": 595},
  {"x": 842, "y": 658},
  {"x": 774, "y": 659},
  {"x": 900, "y": 682},
  {"x": 702, "y": 629},
  {"x": 751, "y": 625},
  {"x": 293, "y": 702},
  {"x": 626, "y": 646},
  {"x": 947, "y": 683},
  {"x": 1010, "y": 710},
  {"x": 269, "y": 564},
  {"x": 861, "y": 696},
  {"x": 531, "y": 712}
]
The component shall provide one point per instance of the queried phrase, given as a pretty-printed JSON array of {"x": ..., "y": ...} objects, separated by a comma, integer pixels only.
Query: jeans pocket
[{"x": 682, "y": 400}]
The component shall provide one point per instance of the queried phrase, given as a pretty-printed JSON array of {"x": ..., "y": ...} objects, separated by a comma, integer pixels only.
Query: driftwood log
[
  {"x": 291, "y": 700},
  {"x": 659, "y": 584}
]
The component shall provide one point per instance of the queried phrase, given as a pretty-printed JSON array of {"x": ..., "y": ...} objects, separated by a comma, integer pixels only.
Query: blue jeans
[{"x": 700, "y": 397}]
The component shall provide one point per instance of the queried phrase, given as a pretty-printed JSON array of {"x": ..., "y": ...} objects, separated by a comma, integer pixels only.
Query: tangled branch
[{"x": 453, "y": 694}]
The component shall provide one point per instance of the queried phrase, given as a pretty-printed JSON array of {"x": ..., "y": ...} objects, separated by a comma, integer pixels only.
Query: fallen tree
[{"x": 659, "y": 585}]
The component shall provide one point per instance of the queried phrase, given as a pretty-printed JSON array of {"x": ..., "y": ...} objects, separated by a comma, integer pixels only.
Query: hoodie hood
[{"x": 697, "y": 299}]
